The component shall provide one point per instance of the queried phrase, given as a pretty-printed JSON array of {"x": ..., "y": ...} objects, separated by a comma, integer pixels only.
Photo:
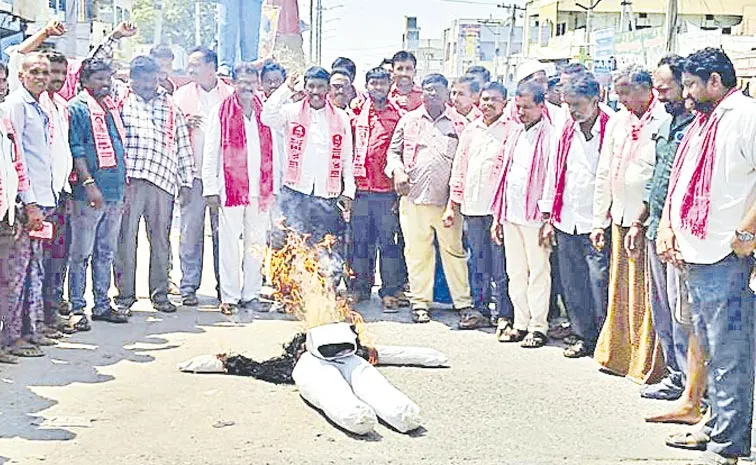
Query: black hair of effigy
[{"x": 276, "y": 370}]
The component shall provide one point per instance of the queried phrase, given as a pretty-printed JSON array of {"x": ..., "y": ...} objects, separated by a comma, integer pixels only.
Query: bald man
[{"x": 31, "y": 124}]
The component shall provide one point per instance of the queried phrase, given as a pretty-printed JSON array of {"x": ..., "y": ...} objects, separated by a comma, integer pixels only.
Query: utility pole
[
  {"x": 626, "y": 16},
  {"x": 312, "y": 29},
  {"x": 588, "y": 23},
  {"x": 198, "y": 22},
  {"x": 319, "y": 42},
  {"x": 512, "y": 21},
  {"x": 670, "y": 26},
  {"x": 158, "y": 38}
]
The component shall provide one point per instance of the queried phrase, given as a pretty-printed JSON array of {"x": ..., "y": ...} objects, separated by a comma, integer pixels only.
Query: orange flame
[{"x": 302, "y": 282}]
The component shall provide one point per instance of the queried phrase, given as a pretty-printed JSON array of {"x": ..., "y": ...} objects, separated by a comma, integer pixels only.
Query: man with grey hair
[
  {"x": 627, "y": 344},
  {"x": 568, "y": 206}
]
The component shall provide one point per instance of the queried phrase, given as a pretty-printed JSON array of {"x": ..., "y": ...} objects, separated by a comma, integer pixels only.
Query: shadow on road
[{"x": 77, "y": 360}]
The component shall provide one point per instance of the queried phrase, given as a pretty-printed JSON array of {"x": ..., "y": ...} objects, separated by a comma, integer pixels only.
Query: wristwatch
[{"x": 745, "y": 236}]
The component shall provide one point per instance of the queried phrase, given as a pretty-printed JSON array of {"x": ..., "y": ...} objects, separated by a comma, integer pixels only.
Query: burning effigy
[{"x": 332, "y": 360}]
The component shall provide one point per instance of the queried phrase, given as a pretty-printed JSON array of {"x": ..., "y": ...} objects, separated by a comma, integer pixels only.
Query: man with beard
[
  {"x": 627, "y": 343},
  {"x": 420, "y": 161},
  {"x": 56, "y": 251},
  {"x": 195, "y": 100},
  {"x": 97, "y": 139},
  {"x": 664, "y": 279},
  {"x": 375, "y": 221},
  {"x": 708, "y": 228},
  {"x": 240, "y": 179},
  {"x": 568, "y": 206},
  {"x": 519, "y": 217},
  {"x": 318, "y": 182},
  {"x": 476, "y": 170}
]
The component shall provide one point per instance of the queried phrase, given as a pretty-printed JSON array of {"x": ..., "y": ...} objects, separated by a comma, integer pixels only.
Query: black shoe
[
  {"x": 111, "y": 316},
  {"x": 164, "y": 307},
  {"x": 190, "y": 300}
]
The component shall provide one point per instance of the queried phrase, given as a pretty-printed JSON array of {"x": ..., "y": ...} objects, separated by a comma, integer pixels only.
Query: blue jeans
[
  {"x": 487, "y": 265},
  {"x": 94, "y": 233},
  {"x": 722, "y": 309},
  {"x": 375, "y": 224},
  {"x": 584, "y": 275},
  {"x": 191, "y": 247},
  {"x": 664, "y": 294},
  {"x": 238, "y": 31}
]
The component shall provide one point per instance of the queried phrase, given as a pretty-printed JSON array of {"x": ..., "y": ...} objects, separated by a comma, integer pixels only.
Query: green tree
[{"x": 178, "y": 21}]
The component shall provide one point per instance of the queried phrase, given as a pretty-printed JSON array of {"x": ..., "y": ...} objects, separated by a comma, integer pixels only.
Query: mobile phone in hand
[{"x": 46, "y": 233}]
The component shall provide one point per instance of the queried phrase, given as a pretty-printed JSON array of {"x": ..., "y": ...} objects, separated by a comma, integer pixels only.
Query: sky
[{"x": 369, "y": 30}]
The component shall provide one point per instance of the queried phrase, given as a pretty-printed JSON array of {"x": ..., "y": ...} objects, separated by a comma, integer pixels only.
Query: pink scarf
[
  {"x": 52, "y": 103},
  {"x": 696, "y": 203},
  {"x": 106, "y": 155},
  {"x": 188, "y": 101},
  {"x": 234, "y": 150},
  {"x": 563, "y": 150},
  {"x": 462, "y": 161},
  {"x": 631, "y": 153},
  {"x": 414, "y": 126},
  {"x": 297, "y": 142},
  {"x": 536, "y": 176},
  {"x": 18, "y": 161},
  {"x": 361, "y": 139}
]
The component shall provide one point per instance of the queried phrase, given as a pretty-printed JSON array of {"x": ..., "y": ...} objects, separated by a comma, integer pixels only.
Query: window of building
[{"x": 561, "y": 29}]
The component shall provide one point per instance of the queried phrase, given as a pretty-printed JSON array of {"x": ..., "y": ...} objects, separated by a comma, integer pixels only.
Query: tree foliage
[{"x": 178, "y": 22}]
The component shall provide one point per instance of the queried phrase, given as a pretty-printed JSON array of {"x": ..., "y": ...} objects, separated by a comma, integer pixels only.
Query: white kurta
[
  {"x": 579, "y": 182},
  {"x": 278, "y": 112},
  {"x": 733, "y": 182},
  {"x": 240, "y": 260},
  {"x": 622, "y": 196}
]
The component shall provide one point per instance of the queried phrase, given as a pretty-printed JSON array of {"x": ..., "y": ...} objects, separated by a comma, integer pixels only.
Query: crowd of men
[{"x": 642, "y": 220}]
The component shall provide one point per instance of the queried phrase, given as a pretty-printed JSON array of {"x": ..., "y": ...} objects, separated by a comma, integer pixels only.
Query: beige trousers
[
  {"x": 529, "y": 272},
  {"x": 418, "y": 225}
]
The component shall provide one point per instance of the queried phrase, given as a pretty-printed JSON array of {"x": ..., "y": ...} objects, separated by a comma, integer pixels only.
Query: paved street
[{"x": 114, "y": 396}]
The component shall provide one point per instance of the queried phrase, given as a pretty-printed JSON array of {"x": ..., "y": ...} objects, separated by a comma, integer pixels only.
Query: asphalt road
[{"x": 114, "y": 396}]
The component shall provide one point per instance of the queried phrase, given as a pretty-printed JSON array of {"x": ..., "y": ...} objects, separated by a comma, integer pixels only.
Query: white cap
[{"x": 531, "y": 67}]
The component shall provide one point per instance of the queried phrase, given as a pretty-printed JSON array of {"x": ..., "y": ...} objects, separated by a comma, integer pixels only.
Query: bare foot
[{"x": 686, "y": 415}]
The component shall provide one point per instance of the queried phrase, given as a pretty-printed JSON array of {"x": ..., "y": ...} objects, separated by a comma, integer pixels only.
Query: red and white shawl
[
  {"x": 696, "y": 202},
  {"x": 563, "y": 150},
  {"x": 235, "y": 154},
  {"x": 297, "y": 143},
  {"x": 537, "y": 173}
]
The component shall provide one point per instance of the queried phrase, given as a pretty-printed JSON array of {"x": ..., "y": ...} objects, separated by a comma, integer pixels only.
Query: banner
[
  {"x": 268, "y": 30},
  {"x": 604, "y": 62},
  {"x": 645, "y": 47},
  {"x": 470, "y": 40}
]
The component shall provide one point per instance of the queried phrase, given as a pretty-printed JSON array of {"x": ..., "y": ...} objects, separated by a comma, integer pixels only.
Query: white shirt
[
  {"x": 208, "y": 100},
  {"x": 519, "y": 175},
  {"x": 213, "y": 177},
  {"x": 733, "y": 182},
  {"x": 579, "y": 183},
  {"x": 487, "y": 142},
  {"x": 61, "y": 147},
  {"x": 278, "y": 112},
  {"x": 9, "y": 177},
  {"x": 622, "y": 197}
]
